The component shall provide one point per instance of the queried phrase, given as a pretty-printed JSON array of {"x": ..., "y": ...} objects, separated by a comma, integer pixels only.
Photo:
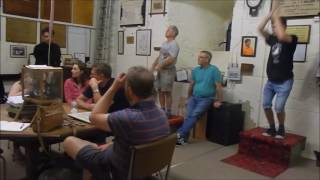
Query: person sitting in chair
[
  {"x": 78, "y": 82},
  {"x": 143, "y": 122},
  {"x": 99, "y": 83}
]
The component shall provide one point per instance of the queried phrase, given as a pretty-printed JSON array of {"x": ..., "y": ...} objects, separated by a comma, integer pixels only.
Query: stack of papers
[
  {"x": 42, "y": 67},
  {"x": 15, "y": 100},
  {"x": 13, "y": 126},
  {"x": 82, "y": 116}
]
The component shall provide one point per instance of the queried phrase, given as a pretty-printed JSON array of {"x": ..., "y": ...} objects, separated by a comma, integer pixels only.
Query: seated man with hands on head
[
  {"x": 99, "y": 83},
  {"x": 143, "y": 122}
]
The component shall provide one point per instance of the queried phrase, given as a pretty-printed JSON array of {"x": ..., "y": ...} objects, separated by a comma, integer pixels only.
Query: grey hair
[
  {"x": 208, "y": 53},
  {"x": 141, "y": 81},
  {"x": 175, "y": 29}
]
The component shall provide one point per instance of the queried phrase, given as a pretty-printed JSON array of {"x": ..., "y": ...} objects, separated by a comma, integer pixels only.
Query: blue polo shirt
[{"x": 205, "y": 80}]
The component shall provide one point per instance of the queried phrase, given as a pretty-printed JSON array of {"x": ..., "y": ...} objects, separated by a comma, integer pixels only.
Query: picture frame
[
  {"x": 18, "y": 51},
  {"x": 132, "y": 13},
  {"x": 143, "y": 42},
  {"x": 301, "y": 31},
  {"x": 120, "y": 42},
  {"x": 130, "y": 39},
  {"x": 300, "y": 53},
  {"x": 293, "y": 9},
  {"x": 158, "y": 7},
  {"x": 249, "y": 46}
]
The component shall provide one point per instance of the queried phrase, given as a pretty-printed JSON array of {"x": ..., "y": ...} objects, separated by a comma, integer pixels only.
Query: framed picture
[
  {"x": 299, "y": 55},
  {"x": 158, "y": 7},
  {"x": 143, "y": 43},
  {"x": 132, "y": 13},
  {"x": 130, "y": 39},
  {"x": 301, "y": 31},
  {"x": 248, "y": 46},
  {"x": 18, "y": 51},
  {"x": 297, "y": 8},
  {"x": 121, "y": 42}
]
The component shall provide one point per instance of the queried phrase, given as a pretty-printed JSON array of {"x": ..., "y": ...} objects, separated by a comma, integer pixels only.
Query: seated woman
[
  {"x": 16, "y": 89},
  {"x": 75, "y": 85}
]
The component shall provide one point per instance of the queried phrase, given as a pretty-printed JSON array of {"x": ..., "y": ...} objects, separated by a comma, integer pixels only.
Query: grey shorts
[
  {"x": 96, "y": 161},
  {"x": 164, "y": 80}
]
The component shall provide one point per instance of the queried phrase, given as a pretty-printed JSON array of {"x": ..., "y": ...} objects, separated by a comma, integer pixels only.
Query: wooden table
[{"x": 29, "y": 139}]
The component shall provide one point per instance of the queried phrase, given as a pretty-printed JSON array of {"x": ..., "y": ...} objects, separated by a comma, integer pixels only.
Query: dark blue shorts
[{"x": 96, "y": 161}]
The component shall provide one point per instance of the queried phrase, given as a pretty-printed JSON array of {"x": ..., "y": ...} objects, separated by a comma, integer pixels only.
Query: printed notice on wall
[{"x": 295, "y": 8}]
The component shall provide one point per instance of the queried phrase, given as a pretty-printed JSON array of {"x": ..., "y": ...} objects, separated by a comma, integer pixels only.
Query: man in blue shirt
[{"x": 205, "y": 89}]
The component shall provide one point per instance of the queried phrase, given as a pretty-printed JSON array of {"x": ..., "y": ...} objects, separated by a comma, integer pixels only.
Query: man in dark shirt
[
  {"x": 141, "y": 123},
  {"x": 279, "y": 71},
  {"x": 41, "y": 50},
  {"x": 99, "y": 83}
]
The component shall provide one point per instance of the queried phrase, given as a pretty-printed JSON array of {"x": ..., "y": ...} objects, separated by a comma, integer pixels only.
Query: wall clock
[{"x": 254, "y": 6}]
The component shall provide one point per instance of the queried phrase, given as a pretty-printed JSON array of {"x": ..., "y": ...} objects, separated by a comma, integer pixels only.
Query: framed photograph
[
  {"x": 300, "y": 54},
  {"x": 18, "y": 51},
  {"x": 248, "y": 46},
  {"x": 121, "y": 42},
  {"x": 301, "y": 31},
  {"x": 158, "y": 7},
  {"x": 143, "y": 43},
  {"x": 132, "y": 13}
]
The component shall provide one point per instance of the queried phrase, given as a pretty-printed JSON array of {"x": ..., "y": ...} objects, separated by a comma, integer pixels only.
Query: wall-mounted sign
[{"x": 298, "y": 8}]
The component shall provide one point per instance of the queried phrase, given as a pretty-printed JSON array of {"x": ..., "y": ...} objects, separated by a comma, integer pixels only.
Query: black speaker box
[{"x": 225, "y": 123}]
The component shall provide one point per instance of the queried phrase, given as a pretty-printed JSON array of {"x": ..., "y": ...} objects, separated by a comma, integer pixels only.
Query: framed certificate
[
  {"x": 158, "y": 7},
  {"x": 301, "y": 31},
  {"x": 143, "y": 43},
  {"x": 132, "y": 12},
  {"x": 297, "y": 8}
]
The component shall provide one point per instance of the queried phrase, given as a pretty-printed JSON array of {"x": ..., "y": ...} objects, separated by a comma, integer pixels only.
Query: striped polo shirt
[{"x": 141, "y": 123}]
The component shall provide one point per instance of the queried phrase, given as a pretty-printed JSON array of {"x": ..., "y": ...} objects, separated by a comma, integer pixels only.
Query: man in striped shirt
[{"x": 141, "y": 123}]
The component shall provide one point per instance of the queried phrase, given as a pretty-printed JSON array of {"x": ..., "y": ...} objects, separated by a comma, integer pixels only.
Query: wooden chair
[{"x": 148, "y": 159}]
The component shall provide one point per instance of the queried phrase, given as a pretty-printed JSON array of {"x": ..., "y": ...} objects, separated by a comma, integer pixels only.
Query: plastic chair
[{"x": 148, "y": 159}]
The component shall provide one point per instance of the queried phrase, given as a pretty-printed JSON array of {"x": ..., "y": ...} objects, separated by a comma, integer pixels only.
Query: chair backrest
[{"x": 149, "y": 158}]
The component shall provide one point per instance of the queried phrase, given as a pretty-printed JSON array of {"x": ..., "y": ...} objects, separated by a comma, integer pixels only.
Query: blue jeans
[
  {"x": 282, "y": 91},
  {"x": 196, "y": 107}
]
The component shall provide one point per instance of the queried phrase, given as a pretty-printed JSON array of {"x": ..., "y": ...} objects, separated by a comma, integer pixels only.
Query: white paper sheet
[
  {"x": 182, "y": 75},
  {"x": 15, "y": 100},
  {"x": 13, "y": 126}
]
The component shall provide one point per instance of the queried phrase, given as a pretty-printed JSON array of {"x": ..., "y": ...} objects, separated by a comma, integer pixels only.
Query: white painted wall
[
  {"x": 302, "y": 110},
  {"x": 202, "y": 25}
]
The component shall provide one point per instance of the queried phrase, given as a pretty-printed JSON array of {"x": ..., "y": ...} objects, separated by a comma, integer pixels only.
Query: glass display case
[{"x": 42, "y": 84}]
